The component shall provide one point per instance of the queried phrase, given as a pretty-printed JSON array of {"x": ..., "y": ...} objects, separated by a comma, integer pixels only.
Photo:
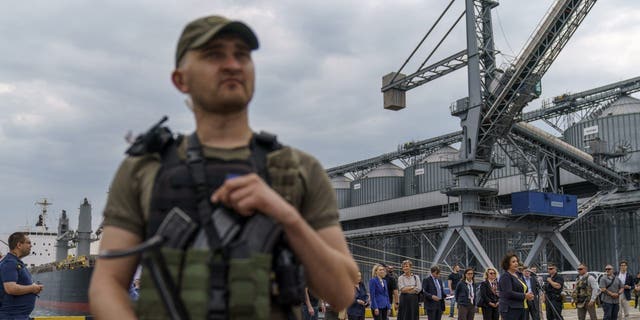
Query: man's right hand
[
  {"x": 436, "y": 298},
  {"x": 37, "y": 288},
  {"x": 310, "y": 311}
]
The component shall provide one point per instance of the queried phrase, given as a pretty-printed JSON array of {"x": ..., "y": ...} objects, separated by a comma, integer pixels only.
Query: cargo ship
[{"x": 65, "y": 277}]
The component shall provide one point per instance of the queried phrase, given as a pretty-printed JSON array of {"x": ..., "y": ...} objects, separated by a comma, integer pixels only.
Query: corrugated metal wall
[
  {"x": 607, "y": 237},
  {"x": 343, "y": 196},
  {"x": 426, "y": 177},
  {"x": 370, "y": 190}
]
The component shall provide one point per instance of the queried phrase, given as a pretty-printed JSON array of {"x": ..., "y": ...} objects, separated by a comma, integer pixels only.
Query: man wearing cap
[{"x": 214, "y": 68}]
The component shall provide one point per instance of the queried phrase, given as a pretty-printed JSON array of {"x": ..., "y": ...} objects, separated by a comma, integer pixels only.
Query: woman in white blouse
[{"x": 409, "y": 286}]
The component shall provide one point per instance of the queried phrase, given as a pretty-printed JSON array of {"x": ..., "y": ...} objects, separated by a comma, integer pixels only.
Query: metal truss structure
[
  {"x": 405, "y": 153},
  {"x": 590, "y": 103},
  {"x": 496, "y": 98}
]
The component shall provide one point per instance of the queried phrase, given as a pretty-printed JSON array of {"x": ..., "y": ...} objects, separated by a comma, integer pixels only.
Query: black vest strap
[
  {"x": 222, "y": 226},
  {"x": 196, "y": 164}
]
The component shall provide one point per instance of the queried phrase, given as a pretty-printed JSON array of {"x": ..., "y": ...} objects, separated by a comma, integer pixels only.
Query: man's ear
[{"x": 177, "y": 77}]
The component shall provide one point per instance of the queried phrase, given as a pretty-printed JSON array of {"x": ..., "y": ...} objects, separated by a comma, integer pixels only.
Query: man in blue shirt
[{"x": 19, "y": 292}]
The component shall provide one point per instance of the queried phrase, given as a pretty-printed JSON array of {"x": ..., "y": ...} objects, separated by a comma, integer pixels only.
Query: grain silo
[
  {"x": 342, "y": 186},
  {"x": 382, "y": 183},
  {"x": 611, "y": 131},
  {"x": 428, "y": 175}
]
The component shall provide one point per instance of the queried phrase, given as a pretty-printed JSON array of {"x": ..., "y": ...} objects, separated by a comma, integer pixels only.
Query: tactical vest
[
  {"x": 234, "y": 281},
  {"x": 582, "y": 292}
]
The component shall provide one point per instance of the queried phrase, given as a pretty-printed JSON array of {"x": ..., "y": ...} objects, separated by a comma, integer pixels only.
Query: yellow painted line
[{"x": 61, "y": 318}]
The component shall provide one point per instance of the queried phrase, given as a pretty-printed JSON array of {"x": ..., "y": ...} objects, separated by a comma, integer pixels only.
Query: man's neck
[
  {"x": 16, "y": 254},
  {"x": 223, "y": 130}
]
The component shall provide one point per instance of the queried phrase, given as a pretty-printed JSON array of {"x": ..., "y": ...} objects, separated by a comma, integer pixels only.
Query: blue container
[{"x": 544, "y": 203}]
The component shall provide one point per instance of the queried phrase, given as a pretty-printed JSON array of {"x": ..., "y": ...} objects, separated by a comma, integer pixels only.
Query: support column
[
  {"x": 563, "y": 246},
  {"x": 473, "y": 243},
  {"x": 444, "y": 246},
  {"x": 541, "y": 241}
]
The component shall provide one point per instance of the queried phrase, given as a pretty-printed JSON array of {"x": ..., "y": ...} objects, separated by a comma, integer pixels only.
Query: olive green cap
[{"x": 198, "y": 32}]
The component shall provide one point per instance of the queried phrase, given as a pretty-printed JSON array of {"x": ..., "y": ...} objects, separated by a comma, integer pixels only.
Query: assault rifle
[{"x": 154, "y": 140}]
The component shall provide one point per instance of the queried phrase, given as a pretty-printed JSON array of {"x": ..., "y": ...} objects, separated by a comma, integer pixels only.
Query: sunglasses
[
  {"x": 608, "y": 268},
  {"x": 580, "y": 268}
]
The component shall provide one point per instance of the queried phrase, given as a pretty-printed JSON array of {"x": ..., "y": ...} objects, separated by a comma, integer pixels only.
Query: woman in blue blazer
[
  {"x": 512, "y": 291},
  {"x": 379, "y": 293}
]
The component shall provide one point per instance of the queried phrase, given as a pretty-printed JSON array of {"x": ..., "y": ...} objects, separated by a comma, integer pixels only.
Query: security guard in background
[{"x": 214, "y": 67}]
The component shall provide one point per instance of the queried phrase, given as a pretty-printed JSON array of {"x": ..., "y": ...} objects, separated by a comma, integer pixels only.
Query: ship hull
[{"x": 65, "y": 292}]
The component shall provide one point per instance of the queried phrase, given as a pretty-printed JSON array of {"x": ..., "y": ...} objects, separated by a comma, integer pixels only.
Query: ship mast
[{"x": 42, "y": 219}]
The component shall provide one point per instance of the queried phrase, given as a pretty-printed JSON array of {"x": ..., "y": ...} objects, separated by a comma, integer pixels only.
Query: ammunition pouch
[
  {"x": 249, "y": 283},
  {"x": 148, "y": 306}
]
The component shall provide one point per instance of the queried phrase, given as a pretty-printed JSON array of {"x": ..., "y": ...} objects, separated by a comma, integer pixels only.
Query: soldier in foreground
[{"x": 221, "y": 177}]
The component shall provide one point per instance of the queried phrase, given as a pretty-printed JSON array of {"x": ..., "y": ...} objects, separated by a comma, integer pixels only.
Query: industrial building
[{"x": 502, "y": 183}]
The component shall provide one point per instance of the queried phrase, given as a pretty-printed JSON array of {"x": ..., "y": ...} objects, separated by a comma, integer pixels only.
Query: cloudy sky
[{"x": 75, "y": 76}]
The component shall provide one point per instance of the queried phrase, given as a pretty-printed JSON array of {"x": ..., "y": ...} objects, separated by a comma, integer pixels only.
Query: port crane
[{"x": 495, "y": 99}]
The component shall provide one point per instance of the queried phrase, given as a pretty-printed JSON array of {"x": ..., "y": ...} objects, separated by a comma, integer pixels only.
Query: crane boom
[{"x": 516, "y": 87}]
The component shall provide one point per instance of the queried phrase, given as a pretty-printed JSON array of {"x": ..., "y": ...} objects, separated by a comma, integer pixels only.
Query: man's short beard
[{"x": 225, "y": 107}]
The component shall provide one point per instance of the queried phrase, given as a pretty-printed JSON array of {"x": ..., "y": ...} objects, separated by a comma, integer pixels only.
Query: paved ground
[{"x": 568, "y": 314}]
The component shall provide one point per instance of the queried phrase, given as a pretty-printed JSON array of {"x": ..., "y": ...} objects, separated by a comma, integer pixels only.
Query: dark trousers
[
  {"x": 610, "y": 311},
  {"x": 554, "y": 310},
  {"x": 352, "y": 317},
  {"x": 466, "y": 312},
  {"x": 383, "y": 314},
  {"x": 489, "y": 313},
  {"x": 531, "y": 313},
  {"x": 434, "y": 314},
  {"x": 409, "y": 307},
  {"x": 513, "y": 314}
]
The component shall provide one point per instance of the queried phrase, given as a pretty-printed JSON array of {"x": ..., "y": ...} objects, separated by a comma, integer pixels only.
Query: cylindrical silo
[
  {"x": 382, "y": 183},
  {"x": 617, "y": 127},
  {"x": 342, "y": 186},
  {"x": 429, "y": 175}
]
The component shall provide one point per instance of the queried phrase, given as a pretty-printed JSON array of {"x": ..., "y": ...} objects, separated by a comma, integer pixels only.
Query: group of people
[{"x": 516, "y": 294}]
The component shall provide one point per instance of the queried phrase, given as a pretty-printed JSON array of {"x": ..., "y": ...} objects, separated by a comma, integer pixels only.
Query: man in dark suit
[
  {"x": 434, "y": 294},
  {"x": 533, "y": 310}
]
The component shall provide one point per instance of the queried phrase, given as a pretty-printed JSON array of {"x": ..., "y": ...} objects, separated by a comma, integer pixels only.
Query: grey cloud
[{"x": 319, "y": 74}]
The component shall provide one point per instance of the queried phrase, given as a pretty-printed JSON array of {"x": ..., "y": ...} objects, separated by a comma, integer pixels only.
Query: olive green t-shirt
[{"x": 295, "y": 175}]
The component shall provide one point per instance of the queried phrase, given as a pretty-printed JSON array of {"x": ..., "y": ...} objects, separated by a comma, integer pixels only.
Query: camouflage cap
[{"x": 200, "y": 31}]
